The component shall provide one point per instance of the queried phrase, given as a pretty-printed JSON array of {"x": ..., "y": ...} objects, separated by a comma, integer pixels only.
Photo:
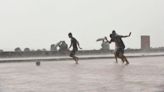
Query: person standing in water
[
  {"x": 119, "y": 45},
  {"x": 75, "y": 44}
]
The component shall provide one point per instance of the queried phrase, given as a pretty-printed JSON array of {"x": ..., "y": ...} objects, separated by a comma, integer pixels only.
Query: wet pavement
[{"x": 102, "y": 75}]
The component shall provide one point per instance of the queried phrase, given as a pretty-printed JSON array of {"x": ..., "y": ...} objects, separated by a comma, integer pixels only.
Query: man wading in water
[
  {"x": 119, "y": 45},
  {"x": 75, "y": 44}
]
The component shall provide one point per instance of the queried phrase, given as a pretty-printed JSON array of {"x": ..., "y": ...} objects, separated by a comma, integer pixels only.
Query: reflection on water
[{"x": 142, "y": 75}]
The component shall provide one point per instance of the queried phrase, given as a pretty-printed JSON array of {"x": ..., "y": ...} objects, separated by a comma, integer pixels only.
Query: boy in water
[
  {"x": 75, "y": 44},
  {"x": 119, "y": 45}
]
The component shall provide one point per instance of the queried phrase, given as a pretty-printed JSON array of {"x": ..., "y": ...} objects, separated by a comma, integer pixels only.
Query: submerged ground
[{"x": 98, "y": 75}]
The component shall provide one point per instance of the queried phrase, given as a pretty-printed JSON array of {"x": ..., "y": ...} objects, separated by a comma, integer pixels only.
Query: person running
[
  {"x": 75, "y": 44},
  {"x": 119, "y": 45}
]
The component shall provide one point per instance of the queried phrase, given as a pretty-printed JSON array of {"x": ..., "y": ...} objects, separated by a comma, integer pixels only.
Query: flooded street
[{"x": 102, "y": 75}]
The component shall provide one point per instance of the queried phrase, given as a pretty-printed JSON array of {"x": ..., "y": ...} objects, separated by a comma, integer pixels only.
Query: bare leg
[
  {"x": 75, "y": 59},
  {"x": 116, "y": 57},
  {"x": 127, "y": 62},
  {"x": 122, "y": 58}
]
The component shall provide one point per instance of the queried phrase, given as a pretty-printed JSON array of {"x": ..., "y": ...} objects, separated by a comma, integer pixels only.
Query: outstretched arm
[
  {"x": 78, "y": 45},
  {"x": 126, "y": 35}
]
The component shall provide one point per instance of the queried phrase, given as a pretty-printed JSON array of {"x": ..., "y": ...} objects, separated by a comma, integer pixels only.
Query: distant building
[{"x": 145, "y": 42}]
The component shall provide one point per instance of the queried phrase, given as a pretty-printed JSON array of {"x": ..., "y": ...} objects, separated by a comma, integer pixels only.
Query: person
[
  {"x": 115, "y": 54},
  {"x": 120, "y": 46},
  {"x": 75, "y": 44}
]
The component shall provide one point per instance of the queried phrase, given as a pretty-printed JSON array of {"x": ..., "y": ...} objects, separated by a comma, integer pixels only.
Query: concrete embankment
[{"x": 64, "y": 58}]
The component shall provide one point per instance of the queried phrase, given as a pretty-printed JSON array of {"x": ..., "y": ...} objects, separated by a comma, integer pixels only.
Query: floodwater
[{"x": 102, "y": 75}]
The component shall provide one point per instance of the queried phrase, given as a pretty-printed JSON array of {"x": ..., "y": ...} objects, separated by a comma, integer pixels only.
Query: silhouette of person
[
  {"x": 75, "y": 44},
  {"x": 120, "y": 46}
]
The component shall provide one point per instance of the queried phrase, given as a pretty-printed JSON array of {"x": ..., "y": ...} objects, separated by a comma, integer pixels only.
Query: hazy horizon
[{"x": 37, "y": 24}]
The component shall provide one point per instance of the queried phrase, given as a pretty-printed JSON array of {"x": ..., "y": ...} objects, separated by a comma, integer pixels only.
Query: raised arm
[
  {"x": 108, "y": 40},
  {"x": 126, "y": 35}
]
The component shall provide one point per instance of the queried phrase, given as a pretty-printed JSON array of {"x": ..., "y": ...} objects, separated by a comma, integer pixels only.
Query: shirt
[{"x": 74, "y": 43}]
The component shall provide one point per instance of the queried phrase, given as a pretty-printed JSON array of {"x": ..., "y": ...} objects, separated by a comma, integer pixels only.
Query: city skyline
[{"x": 37, "y": 24}]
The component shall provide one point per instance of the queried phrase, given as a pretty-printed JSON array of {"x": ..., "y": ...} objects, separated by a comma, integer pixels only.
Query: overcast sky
[{"x": 39, "y": 23}]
